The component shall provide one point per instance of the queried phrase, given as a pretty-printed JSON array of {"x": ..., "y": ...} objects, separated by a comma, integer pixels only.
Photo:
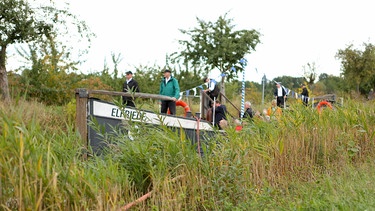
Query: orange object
[
  {"x": 323, "y": 103},
  {"x": 276, "y": 111},
  {"x": 182, "y": 104}
]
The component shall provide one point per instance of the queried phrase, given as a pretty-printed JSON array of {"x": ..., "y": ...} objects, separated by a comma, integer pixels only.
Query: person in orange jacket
[{"x": 274, "y": 110}]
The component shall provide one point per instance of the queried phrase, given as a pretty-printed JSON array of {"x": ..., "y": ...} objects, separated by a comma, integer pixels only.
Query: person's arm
[
  {"x": 161, "y": 87},
  {"x": 284, "y": 92},
  {"x": 176, "y": 89},
  {"x": 125, "y": 87},
  {"x": 219, "y": 110},
  {"x": 136, "y": 86},
  {"x": 211, "y": 86}
]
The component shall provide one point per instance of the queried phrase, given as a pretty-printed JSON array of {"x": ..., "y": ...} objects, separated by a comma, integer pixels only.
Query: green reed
[{"x": 304, "y": 160}]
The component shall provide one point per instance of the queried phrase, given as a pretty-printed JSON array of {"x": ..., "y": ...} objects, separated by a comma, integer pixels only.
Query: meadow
[{"x": 303, "y": 161}]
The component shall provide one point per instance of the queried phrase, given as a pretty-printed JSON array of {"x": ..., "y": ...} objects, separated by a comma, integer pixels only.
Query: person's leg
[
  {"x": 129, "y": 103},
  {"x": 172, "y": 107},
  {"x": 123, "y": 100},
  {"x": 282, "y": 102},
  {"x": 278, "y": 101},
  {"x": 164, "y": 107},
  {"x": 304, "y": 101},
  {"x": 210, "y": 102}
]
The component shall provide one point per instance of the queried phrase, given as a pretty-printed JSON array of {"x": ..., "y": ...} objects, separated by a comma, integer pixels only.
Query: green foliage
[
  {"x": 329, "y": 84},
  {"x": 217, "y": 45},
  {"x": 289, "y": 82},
  {"x": 48, "y": 79},
  {"x": 45, "y": 28},
  {"x": 304, "y": 160},
  {"x": 358, "y": 67}
]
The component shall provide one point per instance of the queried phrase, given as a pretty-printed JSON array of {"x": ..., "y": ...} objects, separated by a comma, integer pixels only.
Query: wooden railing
[{"x": 206, "y": 114}]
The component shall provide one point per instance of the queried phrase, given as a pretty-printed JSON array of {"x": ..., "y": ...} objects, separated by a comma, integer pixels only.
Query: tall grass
[{"x": 304, "y": 160}]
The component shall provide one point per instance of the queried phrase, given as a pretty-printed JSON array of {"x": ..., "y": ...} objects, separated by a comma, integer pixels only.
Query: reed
[{"x": 304, "y": 160}]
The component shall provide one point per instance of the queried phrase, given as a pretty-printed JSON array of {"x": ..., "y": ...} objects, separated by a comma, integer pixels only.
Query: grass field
[{"x": 302, "y": 161}]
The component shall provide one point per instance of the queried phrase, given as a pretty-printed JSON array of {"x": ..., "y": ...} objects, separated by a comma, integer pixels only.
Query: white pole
[
  {"x": 213, "y": 112},
  {"x": 243, "y": 95},
  {"x": 243, "y": 63}
]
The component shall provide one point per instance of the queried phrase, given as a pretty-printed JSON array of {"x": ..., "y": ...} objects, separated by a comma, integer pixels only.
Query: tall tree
[
  {"x": 216, "y": 45},
  {"x": 358, "y": 67},
  {"x": 20, "y": 22}
]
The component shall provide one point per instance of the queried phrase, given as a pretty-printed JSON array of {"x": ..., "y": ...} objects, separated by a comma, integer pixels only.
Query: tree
[
  {"x": 217, "y": 45},
  {"x": 358, "y": 67},
  {"x": 332, "y": 84},
  {"x": 21, "y": 23},
  {"x": 292, "y": 83},
  {"x": 310, "y": 73}
]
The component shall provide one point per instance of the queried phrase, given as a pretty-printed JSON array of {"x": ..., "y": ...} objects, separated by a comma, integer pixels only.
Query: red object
[
  {"x": 323, "y": 103},
  {"x": 182, "y": 104},
  {"x": 238, "y": 128}
]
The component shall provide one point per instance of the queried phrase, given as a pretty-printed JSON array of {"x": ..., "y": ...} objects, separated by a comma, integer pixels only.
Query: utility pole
[{"x": 264, "y": 80}]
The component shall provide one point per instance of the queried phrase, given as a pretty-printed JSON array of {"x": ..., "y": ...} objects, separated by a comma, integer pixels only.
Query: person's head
[
  {"x": 237, "y": 122},
  {"x": 278, "y": 85},
  {"x": 274, "y": 102},
  {"x": 223, "y": 124},
  {"x": 247, "y": 104},
  {"x": 217, "y": 102},
  {"x": 167, "y": 73},
  {"x": 128, "y": 75},
  {"x": 206, "y": 79},
  {"x": 303, "y": 86}
]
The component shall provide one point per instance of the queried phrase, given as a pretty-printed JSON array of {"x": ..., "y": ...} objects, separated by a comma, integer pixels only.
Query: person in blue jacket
[{"x": 169, "y": 87}]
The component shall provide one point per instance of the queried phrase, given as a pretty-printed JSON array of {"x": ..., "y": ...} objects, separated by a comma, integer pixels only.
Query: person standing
[
  {"x": 212, "y": 90},
  {"x": 129, "y": 86},
  {"x": 220, "y": 114},
  {"x": 305, "y": 95},
  {"x": 169, "y": 87},
  {"x": 280, "y": 95}
]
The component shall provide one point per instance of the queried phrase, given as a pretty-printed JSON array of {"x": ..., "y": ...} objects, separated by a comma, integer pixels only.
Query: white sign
[{"x": 112, "y": 111}]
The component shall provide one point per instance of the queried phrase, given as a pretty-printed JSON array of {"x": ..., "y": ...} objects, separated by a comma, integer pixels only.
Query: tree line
[{"x": 51, "y": 74}]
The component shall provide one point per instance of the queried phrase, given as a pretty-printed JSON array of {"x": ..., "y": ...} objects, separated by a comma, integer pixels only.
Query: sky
[{"x": 294, "y": 32}]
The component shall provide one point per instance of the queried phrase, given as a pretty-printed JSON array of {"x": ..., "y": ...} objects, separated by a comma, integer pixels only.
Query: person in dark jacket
[
  {"x": 130, "y": 86},
  {"x": 248, "y": 112},
  {"x": 280, "y": 95},
  {"x": 169, "y": 87},
  {"x": 220, "y": 114},
  {"x": 212, "y": 90},
  {"x": 305, "y": 95}
]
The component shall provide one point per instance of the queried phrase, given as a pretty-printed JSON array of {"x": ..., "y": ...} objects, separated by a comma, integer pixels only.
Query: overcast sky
[{"x": 294, "y": 32}]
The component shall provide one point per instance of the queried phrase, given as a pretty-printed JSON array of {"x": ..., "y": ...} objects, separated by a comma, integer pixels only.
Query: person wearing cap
[
  {"x": 169, "y": 87},
  {"x": 130, "y": 86},
  {"x": 280, "y": 95}
]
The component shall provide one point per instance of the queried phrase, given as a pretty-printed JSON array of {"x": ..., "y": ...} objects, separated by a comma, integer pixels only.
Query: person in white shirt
[
  {"x": 280, "y": 95},
  {"x": 212, "y": 90}
]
